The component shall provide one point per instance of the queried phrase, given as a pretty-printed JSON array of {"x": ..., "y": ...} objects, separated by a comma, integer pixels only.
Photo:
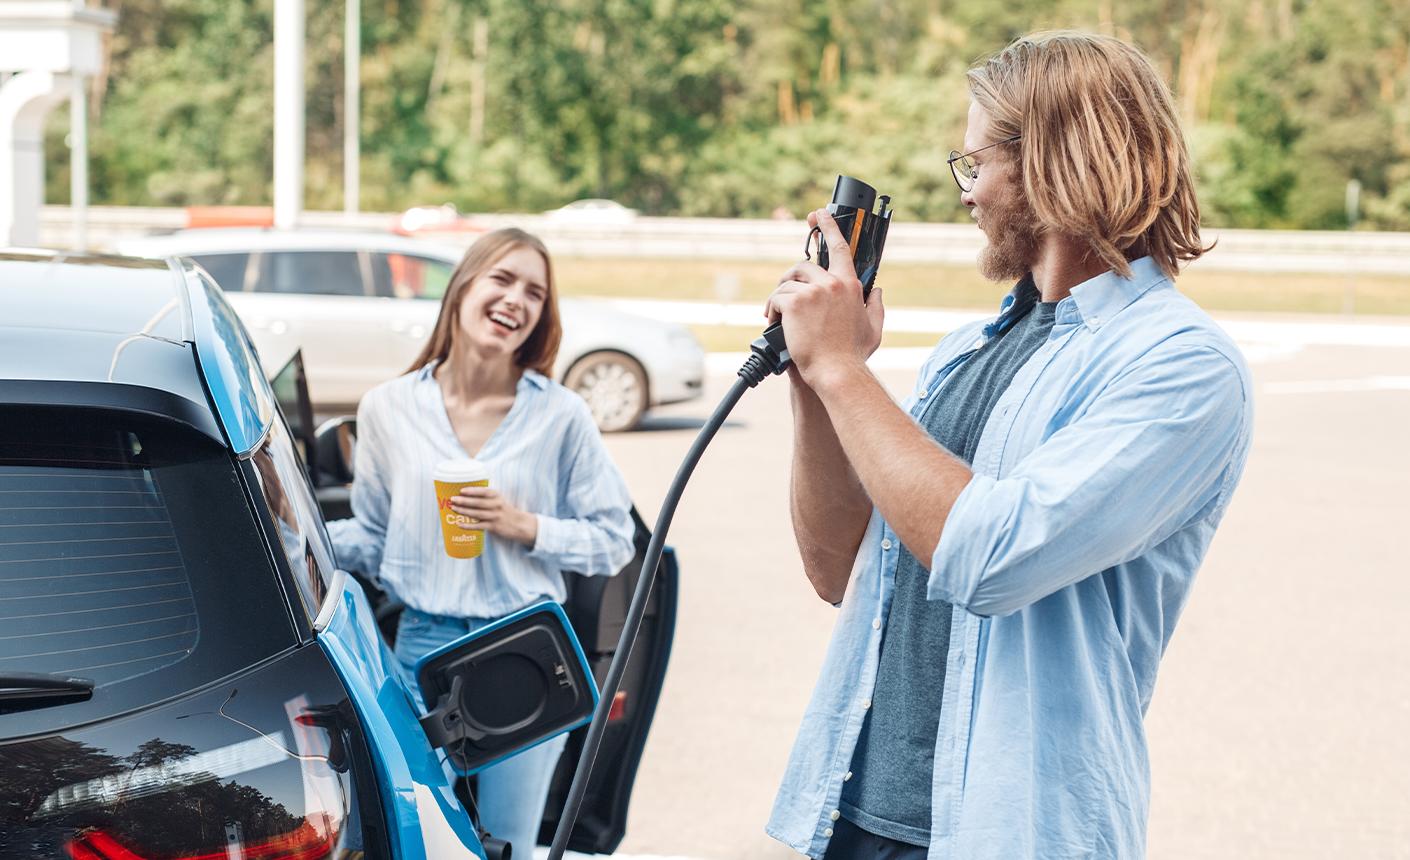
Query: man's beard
[{"x": 1013, "y": 232}]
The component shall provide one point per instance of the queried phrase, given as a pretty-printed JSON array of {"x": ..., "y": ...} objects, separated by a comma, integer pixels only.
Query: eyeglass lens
[{"x": 963, "y": 170}]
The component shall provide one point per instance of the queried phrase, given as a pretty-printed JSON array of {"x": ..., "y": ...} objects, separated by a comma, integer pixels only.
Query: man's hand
[
  {"x": 495, "y": 515},
  {"x": 828, "y": 329}
]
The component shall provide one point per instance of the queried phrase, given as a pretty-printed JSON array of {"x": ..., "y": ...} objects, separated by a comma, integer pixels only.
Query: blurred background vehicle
[
  {"x": 361, "y": 304},
  {"x": 593, "y": 212}
]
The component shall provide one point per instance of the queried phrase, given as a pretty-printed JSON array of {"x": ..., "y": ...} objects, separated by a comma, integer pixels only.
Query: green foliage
[{"x": 707, "y": 107}]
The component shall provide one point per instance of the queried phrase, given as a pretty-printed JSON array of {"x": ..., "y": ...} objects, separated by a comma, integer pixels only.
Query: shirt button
[
  {"x": 922, "y": 394},
  {"x": 834, "y": 815},
  {"x": 876, "y": 624},
  {"x": 828, "y": 833},
  {"x": 847, "y": 776},
  {"x": 886, "y": 543},
  {"x": 866, "y": 703}
]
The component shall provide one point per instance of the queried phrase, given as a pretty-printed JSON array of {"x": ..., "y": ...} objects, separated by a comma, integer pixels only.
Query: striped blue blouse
[{"x": 546, "y": 457}]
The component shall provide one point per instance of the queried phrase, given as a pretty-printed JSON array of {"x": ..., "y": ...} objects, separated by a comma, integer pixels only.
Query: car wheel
[{"x": 614, "y": 386}]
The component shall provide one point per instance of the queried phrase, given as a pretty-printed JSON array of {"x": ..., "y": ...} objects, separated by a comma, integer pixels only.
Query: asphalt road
[{"x": 1281, "y": 722}]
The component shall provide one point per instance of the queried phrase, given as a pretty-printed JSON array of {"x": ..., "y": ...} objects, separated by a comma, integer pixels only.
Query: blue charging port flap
[{"x": 506, "y": 687}]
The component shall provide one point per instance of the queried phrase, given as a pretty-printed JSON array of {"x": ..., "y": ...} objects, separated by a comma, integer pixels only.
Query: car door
[
  {"x": 596, "y": 607},
  {"x": 319, "y": 301},
  {"x": 415, "y": 285}
]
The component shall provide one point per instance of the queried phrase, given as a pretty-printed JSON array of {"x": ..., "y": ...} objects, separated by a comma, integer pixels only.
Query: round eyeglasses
[{"x": 964, "y": 170}]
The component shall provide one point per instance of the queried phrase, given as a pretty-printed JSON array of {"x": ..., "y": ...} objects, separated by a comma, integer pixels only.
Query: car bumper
[{"x": 682, "y": 377}]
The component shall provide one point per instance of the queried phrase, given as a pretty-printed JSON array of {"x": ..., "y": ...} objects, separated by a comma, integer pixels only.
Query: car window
[
  {"x": 228, "y": 270},
  {"x": 294, "y": 515},
  {"x": 408, "y": 276},
  {"x": 128, "y": 556},
  {"x": 319, "y": 273}
]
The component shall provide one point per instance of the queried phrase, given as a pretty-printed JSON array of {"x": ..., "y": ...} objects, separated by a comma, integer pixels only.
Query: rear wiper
[{"x": 23, "y": 690}]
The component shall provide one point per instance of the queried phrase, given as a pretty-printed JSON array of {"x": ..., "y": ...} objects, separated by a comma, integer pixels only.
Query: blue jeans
[
  {"x": 851, "y": 842},
  {"x": 512, "y": 793}
]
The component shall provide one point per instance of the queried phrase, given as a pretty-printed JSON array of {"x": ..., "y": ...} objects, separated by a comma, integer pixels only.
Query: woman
[{"x": 481, "y": 389}]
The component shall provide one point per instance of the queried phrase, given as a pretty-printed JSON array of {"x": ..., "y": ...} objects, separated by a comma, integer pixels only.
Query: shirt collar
[
  {"x": 1018, "y": 302},
  {"x": 1098, "y": 299}
]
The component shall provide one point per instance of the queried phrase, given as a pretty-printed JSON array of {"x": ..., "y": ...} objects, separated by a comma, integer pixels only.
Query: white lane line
[
  {"x": 1324, "y": 386},
  {"x": 1286, "y": 333}
]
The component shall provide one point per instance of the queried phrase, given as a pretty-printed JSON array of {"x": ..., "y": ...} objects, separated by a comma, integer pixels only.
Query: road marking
[
  {"x": 1320, "y": 332},
  {"x": 1324, "y": 386}
]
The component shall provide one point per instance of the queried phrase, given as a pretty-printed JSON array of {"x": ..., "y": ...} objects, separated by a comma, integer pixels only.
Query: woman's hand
[{"x": 488, "y": 508}]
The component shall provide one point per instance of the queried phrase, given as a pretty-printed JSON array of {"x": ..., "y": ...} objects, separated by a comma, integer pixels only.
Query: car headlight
[{"x": 681, "y": 338}]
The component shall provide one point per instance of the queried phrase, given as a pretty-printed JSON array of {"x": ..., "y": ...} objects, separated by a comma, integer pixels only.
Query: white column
[
  {"x": 352, "y": 107},
  {"x": 78, "y": 161},
  {"x": 25, "y": 100},
  {"x": 288, "y": 112}
]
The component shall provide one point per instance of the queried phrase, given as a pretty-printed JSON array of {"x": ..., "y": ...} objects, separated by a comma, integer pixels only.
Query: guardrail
[{"x": 1343, "y": 253}]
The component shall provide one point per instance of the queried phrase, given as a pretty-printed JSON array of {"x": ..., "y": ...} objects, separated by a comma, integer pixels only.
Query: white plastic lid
[{"x": 462, "y": 471}]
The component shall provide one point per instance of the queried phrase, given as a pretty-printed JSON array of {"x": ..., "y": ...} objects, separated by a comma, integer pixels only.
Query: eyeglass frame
[{"x": 956, "y": 155}]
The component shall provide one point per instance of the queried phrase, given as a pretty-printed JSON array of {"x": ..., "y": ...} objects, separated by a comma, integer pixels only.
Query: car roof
[
  {"x": 125, "y": 333},
  {"x": 246, "y": 240}
]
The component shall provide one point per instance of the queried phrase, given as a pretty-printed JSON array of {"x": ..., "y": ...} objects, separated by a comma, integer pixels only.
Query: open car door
[{"x": 596, "y": 608}]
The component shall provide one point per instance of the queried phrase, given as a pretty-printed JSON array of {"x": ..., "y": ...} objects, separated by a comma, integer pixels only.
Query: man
[{"x": 1011, "y": 548}]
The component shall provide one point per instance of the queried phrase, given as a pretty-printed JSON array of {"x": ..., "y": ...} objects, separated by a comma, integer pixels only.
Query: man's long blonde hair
[{"x": 1102, "y": 155}]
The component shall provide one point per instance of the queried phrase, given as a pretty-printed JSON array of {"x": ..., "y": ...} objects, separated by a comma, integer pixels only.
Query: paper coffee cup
[{"x": 462, "y": 538}]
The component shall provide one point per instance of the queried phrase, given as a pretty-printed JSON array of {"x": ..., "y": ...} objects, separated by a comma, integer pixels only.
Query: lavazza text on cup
[{"x": 462, "y": 539}]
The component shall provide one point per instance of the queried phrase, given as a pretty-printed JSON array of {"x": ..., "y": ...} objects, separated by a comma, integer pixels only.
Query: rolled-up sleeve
[
  {"x": 1151, "y": 452},
  {"x": 591, "y": 532},
  {"x": 359, "y": 541}
]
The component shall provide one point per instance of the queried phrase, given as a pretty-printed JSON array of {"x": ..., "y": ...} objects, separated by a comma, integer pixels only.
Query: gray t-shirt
[{"x": 892, "y": 767}]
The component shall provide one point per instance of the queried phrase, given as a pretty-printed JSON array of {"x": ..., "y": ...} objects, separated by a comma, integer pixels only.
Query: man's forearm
[
  {"x": 830, "y": 508},
  {"x": 912, "y": 480}
]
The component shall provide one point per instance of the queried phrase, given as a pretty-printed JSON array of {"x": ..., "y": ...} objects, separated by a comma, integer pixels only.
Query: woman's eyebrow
[{"x": 498, "y": 270}]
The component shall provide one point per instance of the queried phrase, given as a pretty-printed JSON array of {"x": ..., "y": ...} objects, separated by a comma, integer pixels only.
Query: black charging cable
[{"x": 768, "y": 356}]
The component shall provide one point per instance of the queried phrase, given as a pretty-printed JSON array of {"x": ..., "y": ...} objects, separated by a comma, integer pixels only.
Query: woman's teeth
[{"x": 506, "y": 321}]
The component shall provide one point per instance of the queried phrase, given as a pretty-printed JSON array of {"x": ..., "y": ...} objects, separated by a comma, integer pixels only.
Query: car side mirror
[
  {"x": 334, "y": 445},
  {"x": 506, "y": 687}
]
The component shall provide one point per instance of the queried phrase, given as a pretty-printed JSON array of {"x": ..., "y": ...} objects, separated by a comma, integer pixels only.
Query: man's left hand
[{"x": 828, "y": 329}]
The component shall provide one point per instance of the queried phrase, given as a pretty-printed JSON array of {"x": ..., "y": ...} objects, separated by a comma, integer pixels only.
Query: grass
[
  {"x": 961, "y": 287},
  {"x": 733, "y": 338}
]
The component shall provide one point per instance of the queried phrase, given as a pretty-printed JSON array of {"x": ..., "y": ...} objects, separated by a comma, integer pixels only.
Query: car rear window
[
  {"x": 406, "y": 276},
  {"x": 321, "y": 273},
  {"x": 129, "y": 557},
  {"x": 227, "y": 270}
]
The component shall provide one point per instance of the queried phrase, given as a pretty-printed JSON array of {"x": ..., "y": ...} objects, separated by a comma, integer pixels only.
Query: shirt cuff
[{"x": 954, "y": 574}]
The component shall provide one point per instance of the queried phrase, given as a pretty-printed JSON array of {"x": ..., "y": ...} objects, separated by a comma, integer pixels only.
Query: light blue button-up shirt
[
  {"x": 1100, "y": 477},
  {"x": 545, "y": 457}
]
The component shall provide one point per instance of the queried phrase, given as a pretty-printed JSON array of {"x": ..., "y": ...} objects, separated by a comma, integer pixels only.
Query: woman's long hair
[
  {"x": 541, "y": 348},
  {"x": 1103, "y": 158}
]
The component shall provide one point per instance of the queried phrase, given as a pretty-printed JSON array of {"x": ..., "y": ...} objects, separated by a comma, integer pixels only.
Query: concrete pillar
[
  {"x": 288, "y": 112},
  {"x": 25, "y": 102},
  {"x": 49, "y": 46}
]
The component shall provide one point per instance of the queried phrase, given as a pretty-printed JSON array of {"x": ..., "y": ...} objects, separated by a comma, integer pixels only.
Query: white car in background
[
  {"x": 593, "y": 212},
  {"x": 362, "y": 304}
]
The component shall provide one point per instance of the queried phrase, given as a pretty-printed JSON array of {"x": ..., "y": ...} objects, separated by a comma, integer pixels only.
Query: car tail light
[
  {"x": 305, "y": 843},
  {"x": 619, "y": 707}
]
